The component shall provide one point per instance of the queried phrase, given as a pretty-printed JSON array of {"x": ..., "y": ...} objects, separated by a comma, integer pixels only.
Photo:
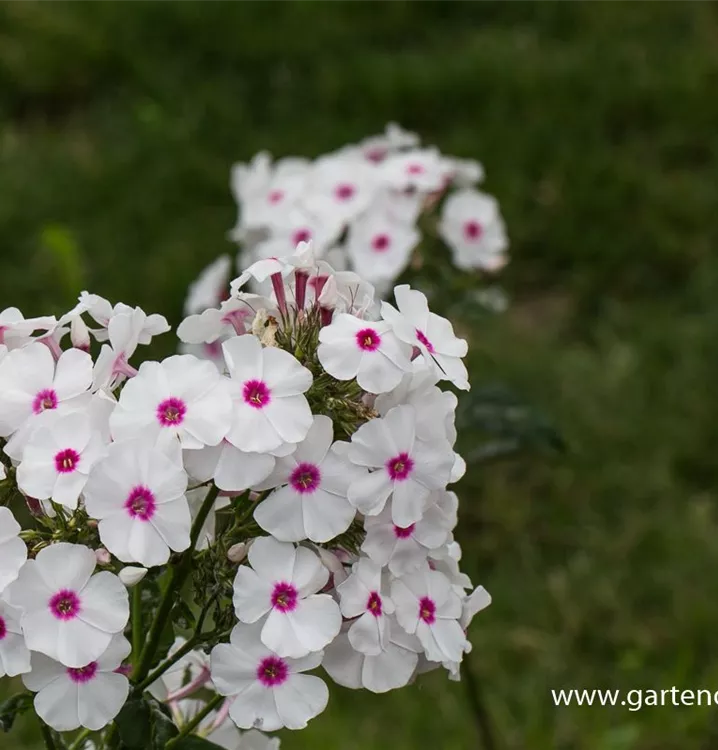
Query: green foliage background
[{"x": 598, "y": 127}]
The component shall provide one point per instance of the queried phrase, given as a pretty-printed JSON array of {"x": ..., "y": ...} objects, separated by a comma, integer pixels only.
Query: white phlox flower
[{"x": 280, "y": 592}]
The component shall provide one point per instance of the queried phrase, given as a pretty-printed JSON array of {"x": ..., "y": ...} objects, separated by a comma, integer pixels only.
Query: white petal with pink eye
[
  {"x": 137, "y": 492},
  {"x": 58, "y": 456},
  {"x": 247, "y": 669},
  {"x": 182, "y": 396},
  {"x": 13, "y": 551},
  {"x": 472, "y": 226},
  {"x": 89, "y": 696},
  {"x": 279, "y": 593},
  {"x": 311, "y": 499},
  {"x": 14, "y": 654},
  {"x": 427, "y": 606},
  {"x": 350, "y": 347},
  {"x": 418, "y": 169},
  {"x": 380, "y": 247},
  {"x": 267, "y": 387},
  {"x": 66, "y": 614}
]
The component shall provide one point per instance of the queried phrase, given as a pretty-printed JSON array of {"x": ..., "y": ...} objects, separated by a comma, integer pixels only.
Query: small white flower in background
[
  {"x": 311, "y": 499},
  {"x": 182, "y": 396},
  {"x": 426, "y": 606},
  {"x": 192, "y": 669},
  {"x": 423, "y": 170},
  {"x": 89, "y": 696},
  {"x": 268, "y": 387},
  {"x": 406, "y": 468},
  {"x": 279, "y": 591},
  {"x": 137, "y": 494},
  {"x": 392, "y": 668},
  {"x": 430, "y": 333},
  {"x": 370, "y": 352},
  {"x": 68, "y": 613},
  {"x": 270, "y": 691},
  {"x": 16, "y": 330},
  {"x": 380, "y": 247},
  {"x": 13, "y": 551},
  {"x": 14, "y": 655},
  {"x": 31, "y": 383},
  {"x": 59, "y": 456},
  {"x": 362, "y": 597},
  {"x": 471, "y": 225}
]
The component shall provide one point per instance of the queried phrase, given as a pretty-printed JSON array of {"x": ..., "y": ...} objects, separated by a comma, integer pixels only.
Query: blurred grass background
[{"x": 598, "y": 128}]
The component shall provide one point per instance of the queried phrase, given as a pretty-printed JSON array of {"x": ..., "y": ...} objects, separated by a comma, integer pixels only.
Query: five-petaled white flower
[
  {"x": 138, "y": 494},
  {"x": 406, "y": 468},
  {"x": 430, "y": 333},
  {"x": 58, "y": 457},
  {"x": 89, "y": 696},
  {"x": 368, "y": 351},
  {"x": 182, "y": 396},
  {"x": 68, "y": 614},
  {"x": 270, "y": 691},
  {"x": 279, "y": 591},
  {"x": 268, "y": 386},
  {"x": 311, "y": 499}
]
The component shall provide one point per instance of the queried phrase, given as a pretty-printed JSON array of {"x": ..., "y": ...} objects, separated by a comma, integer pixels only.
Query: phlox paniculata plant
[{"x": 192, "y": 549}]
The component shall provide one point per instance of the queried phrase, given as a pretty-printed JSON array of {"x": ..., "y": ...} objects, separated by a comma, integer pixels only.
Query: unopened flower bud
[
  {"x": 80, "y": 334},
  {"x": 132, "y": 575},
  {"x": 102, "y": 556},
  {"x": 237, "y": 552}
]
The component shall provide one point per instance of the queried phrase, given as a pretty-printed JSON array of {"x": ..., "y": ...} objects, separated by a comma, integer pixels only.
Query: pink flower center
[
  {"x": 380, "y": 243},
  {"x": 400, "y": 467},
  {"x": 301, "y": 235},
  {"x": 422, "y": 338},
  {"x": 124, "y": 669},
  {"x": 66, "y": 461},
  {"x": 3, "y": 629},
  {"x": 404, "y": 532},
  {"x": 373, "y": 604},
  {"x": 415, "y": 168},
  {"x": 83, "y": 674},
  {"x": 427, "y": 610},
  {"x": 284, "y": 597},
  {"x": 65, "y": 605},
  {"x": 141, "y": 503},
  {"x": 473, "y": 230},
  {"x": 46, "y": 399},
  {"x": 272, "y": 671},
  {"x": 305, "y": 478},
  {"x": 256, "y": 394},
  {"x": 345, "y": 191},
  {"x": 171, "y": 412},
  {"x": 375, "y": 154},
  {"x": 274, "y": 196},
  {"x": 368, "y": 339}
]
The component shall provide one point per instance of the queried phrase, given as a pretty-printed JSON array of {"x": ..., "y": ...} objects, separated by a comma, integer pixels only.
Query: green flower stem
[
  {"x": 137, "y": 629},
  {"x": 196, "y": 721},
  {"x": 80, "y": 740},
  {"x": 182, "y": 651},
  {"x": 177, "y": 578},
  {"x": 47, "y": 737}
]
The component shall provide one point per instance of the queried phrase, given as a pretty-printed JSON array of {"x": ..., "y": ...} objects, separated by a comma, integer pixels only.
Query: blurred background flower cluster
[{"x": 589, "y": 507}]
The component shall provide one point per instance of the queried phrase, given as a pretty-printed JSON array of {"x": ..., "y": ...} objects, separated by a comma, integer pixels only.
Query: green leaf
[
  {"x": 163, "y": 728},
  {"x": 144, "y": 724},
  {"x": 134, "y": 724},
  {"x": 13, "y": 707}
]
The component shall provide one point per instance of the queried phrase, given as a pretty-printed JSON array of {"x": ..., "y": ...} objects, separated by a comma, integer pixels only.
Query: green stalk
[
  {"x": 80, "y": 739},
  {"x": 137, "y": 630},
  {"x": 185, "y": 649},
  {"x": 177, "y": 578},
  {"x": 47, "y": 737}
]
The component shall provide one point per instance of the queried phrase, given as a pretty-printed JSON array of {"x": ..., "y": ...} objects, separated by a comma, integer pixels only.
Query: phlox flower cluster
[
  {"x": 283, "y": 508},
  {"x": 367, "y": 207}
]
